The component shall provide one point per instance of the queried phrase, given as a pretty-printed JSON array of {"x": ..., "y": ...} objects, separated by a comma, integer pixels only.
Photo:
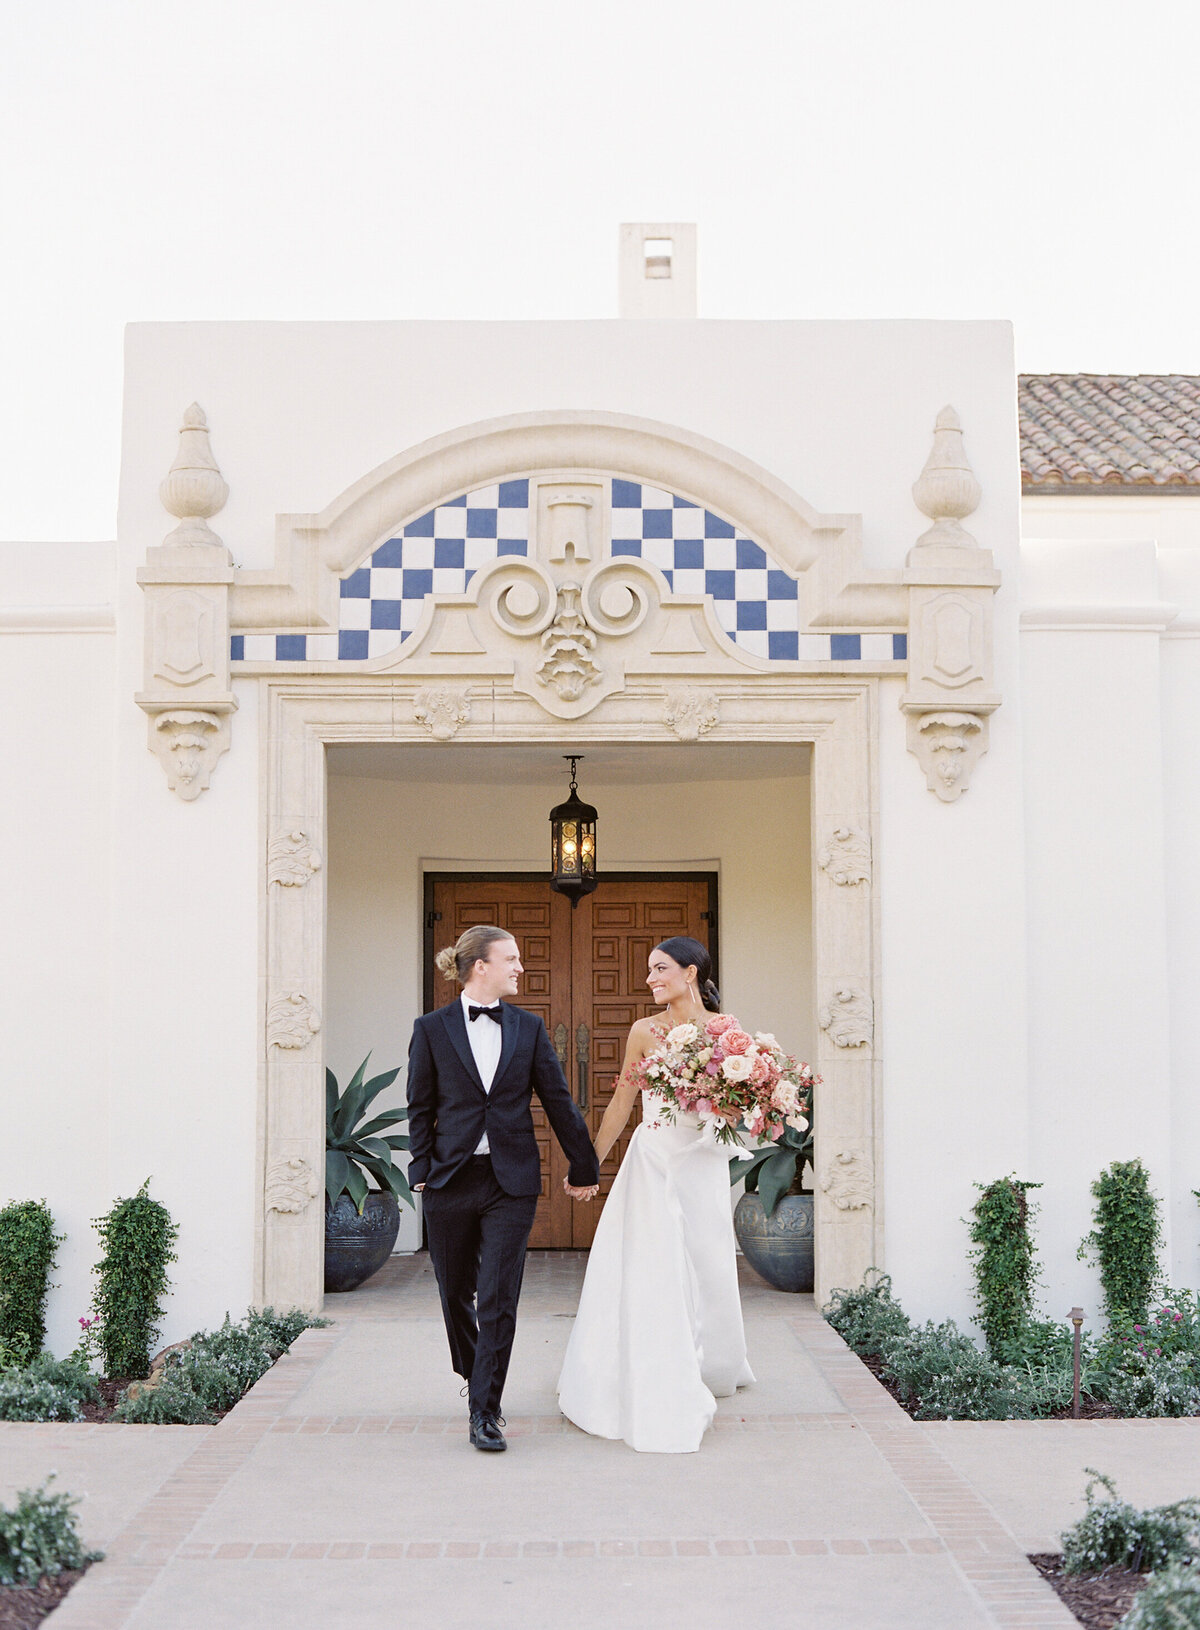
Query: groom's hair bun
[
  {"x": 456, "y": 961},
  {"x": 689, "y": 953}
]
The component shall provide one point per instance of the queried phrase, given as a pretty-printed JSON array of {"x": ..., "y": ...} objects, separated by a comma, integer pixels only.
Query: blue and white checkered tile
[
  {"x": 756, "y": 602},
  {"x": 697, "y": 552},
  {"x": 381, "y": 602}
]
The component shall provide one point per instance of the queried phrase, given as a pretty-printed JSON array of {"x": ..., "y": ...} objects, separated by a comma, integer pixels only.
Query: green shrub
[
  {"x": 1114, "y": 1534},
  {"x": 28, "y": 1245},
  {"x": 39, "y": 1537},
  {"x": 171, "y": 1403},
  {"x": 49, "y": 1389},
  {"x": 279, "y": 1330},
  {"x": 138, "y": 1236},
  {"x": 867, "y": 1317},
  {"x": 1125, "y": 1239},
  {"x": 1170, "y": 1601},
  {"x": 216, "y": 1369},
  {"x": 939, "y": 1370},
  {"x": 1003, "y": 1260}
]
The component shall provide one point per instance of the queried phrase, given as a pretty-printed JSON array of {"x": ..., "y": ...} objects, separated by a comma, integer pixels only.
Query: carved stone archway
[{"x": 574, "y": 631}]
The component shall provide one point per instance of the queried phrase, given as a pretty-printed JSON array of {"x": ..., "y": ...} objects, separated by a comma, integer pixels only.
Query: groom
[{"x": 473, "y": 1067}]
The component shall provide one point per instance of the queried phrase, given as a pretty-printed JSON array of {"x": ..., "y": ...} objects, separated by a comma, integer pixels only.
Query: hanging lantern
[{"x": 573, "y": 844}]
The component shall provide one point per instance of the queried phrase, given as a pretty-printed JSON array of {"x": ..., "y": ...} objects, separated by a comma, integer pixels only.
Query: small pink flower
[
  {"x": 1178, "y": 1316},
  {"x": 774, "y": 1131},
  {"x": 712, "y": 1067},
  {"x": 703, "y": 1106}
]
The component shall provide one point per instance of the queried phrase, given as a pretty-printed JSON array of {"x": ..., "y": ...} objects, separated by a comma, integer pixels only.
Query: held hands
[{"x": 588, "y": 1193}]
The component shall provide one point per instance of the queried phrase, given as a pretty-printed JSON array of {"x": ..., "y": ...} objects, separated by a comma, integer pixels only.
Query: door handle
[
  {"x": 560, "y": 1044},
  {"x": 582, "y": 1055}
]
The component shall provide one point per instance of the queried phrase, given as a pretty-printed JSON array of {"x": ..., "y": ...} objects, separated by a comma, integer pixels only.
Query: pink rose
[
  {"x": 719, "y": 1024},
  {"x": 761, "y": 1073},
  {"x": 736, "y": 1041}
]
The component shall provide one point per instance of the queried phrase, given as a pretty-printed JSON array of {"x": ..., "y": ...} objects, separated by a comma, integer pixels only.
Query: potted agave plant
[
  {"x": 361, "y": 1221},
  {"x": 773, "y": 1219}
]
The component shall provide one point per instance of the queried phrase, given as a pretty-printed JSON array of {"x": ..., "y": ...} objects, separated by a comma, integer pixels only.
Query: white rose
[
  {"x": 736, "y": 1067},
  {"x": 764, "y": 1038},
  {"x": 797, "y": 1123},
  {"x": 682, "y": 1036}
]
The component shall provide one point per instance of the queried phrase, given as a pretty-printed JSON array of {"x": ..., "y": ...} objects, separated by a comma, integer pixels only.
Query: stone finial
[
  {"x": 946, "y": 490},
  {"x": 194, "y": 488}
]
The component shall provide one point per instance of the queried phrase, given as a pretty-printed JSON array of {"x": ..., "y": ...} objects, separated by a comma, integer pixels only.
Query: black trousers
[{"x": 477, "y": 1235}]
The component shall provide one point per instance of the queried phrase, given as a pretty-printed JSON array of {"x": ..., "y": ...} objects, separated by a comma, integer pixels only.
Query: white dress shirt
[{"x": 486, "y": 1039}]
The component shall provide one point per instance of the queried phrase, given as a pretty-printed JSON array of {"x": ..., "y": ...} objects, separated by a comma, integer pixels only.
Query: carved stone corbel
[
  {"x": 186, "y": 581},
  {"x": 951, "y": 586}
]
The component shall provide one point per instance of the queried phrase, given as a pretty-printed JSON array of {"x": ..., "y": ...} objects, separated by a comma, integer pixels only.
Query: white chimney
[{"x": 656, "y": 269}]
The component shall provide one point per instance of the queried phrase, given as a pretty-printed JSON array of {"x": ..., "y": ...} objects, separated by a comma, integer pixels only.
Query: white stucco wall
[{"x": 385, "y": 834}]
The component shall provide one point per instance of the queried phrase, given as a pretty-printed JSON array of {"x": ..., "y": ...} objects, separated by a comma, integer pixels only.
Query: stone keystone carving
[
  {"x": 292, "y": 1020},
  {"x": 189, "y": 743},
  {"x": 847, "y": 1017},
  {"x": 291, "y": 1185},
  {"x": 442, "y": 712},
  {"x": 691, "y": 713},
  {"x": 291, "y": 859},
  {"x": 568, "y": 645},
  {"x": 849, "y": 1181},
  {"x": 946, "y": 489},
  {"x": 947, "y": 745},
  {"x": 846, "y": 856},
  {"x": 194, "y": 489}
]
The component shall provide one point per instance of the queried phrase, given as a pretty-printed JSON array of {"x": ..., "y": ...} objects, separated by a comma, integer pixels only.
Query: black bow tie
[{"x": 492, "y": 1012}]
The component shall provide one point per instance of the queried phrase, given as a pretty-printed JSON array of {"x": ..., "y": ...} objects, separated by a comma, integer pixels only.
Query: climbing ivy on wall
[
  {"x": 1004, "y": 1262},
  {"x": 28, "y": 1245},
  {"x": 138, "y": 1236},
  {"x": 1125, "y": 1239}
]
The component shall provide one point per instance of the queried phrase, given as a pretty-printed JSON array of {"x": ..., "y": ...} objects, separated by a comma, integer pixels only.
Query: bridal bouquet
[{"x": 734, "y": 1081}]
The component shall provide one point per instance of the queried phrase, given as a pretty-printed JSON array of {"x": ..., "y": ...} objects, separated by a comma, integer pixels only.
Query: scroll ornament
[
  {"x": 849, "y": 1181},
  {"x": 292, "y": 1021},
  {"x": 691, "y": 713},
  {"x": 847, "y": 1017},
  {"x": 291, "y": 1185},
  {"x": 845, "y": 856},
  {"x": 291, "y": 859}
]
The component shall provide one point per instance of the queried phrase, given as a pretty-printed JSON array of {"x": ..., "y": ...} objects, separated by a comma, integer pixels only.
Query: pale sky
[{"x": 473, "y": 158}]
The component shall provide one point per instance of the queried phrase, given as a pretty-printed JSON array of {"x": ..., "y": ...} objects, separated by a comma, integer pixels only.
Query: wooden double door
[{"x": 585, "y": 978}]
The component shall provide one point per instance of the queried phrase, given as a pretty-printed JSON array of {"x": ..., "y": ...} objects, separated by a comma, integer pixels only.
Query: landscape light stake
[{"x": 1076, "y": 1318}]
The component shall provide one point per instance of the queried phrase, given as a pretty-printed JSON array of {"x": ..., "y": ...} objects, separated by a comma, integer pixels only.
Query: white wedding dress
[{"x": 658, "y": 1337}]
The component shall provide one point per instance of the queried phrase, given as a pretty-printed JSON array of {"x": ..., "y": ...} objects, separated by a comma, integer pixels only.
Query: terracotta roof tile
[{"x": 1082, "y": 431}]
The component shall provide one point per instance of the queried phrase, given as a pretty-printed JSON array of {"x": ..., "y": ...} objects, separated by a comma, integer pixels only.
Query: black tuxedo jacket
[{"x": 448, "y": 1110}]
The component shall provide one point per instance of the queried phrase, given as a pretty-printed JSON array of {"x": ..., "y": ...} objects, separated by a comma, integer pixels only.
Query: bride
[{"x": 658, "y": 1336}]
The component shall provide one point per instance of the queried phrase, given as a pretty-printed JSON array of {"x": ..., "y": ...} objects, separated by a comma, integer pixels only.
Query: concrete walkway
[{"x": 342, "y": 1490}]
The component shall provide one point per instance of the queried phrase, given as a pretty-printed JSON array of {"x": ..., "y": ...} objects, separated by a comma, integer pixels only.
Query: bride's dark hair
[{"x": 689, "y": 953}]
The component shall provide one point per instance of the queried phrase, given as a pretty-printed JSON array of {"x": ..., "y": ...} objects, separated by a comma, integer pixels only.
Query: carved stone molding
[
  {"x": 188, "y": 744},
  {"x": 847, "y": 1017},
  {"x": 948, "y": 746},
  {"x": 442, "y": 712},
  {"x": 186, "y": 580},
  {"x": 849, "y": 1180},
  {"x": 845, "y": 856},
  {"x": 568, "y": 648},
  {"x": 691, "y": 713},
  {"x": 292, "y": 1021},
  {"x": 291, "y": 1185},
  {"x": 291, "y": 859}
]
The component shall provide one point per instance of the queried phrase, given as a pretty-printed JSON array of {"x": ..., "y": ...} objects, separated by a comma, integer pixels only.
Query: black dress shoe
[{"x": 485, "y": 1430}]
